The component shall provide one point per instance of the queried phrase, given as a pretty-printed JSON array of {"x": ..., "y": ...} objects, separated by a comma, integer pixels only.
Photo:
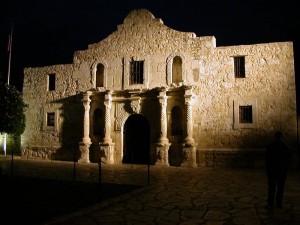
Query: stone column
[
  {"x": 188, "y": 97},
  {"x": 163, "y": 145},
  {"x": 189, "y": 148},
  {"x": 107, "y": 146},
  {"x": 107, "y": 125},
  {"x": 84, "y": 145}
]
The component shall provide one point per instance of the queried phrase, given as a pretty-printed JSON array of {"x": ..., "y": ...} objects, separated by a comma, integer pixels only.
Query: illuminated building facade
[{"x": 148, "y": 93}]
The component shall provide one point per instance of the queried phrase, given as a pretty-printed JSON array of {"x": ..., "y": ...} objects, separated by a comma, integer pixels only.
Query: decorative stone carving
[
  {"x": 84, "y": 152},
  {"x": 162, "y": 152},
  {"x": 107, "y": 153},
  {"x": 86, "y": 119},
  {"x": 189, "y": 140},
  {"x": 121, "y": 115},
  {"x": 163, "y": 116},
  {"x": 163, "y": 144},
  {"x": 189, "y": 148},
  {"x": 107, "y": 147},
  {"x": 135, "y": 104},
  {"x": 86, "y": 140},
  {"x": 189, "y": 157},
  {"x": 107, "y": 125}
]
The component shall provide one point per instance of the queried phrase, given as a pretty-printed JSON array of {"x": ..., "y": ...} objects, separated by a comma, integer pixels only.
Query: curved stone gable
[
  {"x": 142, "y": 32},
  {"x": 139, "y": 16}
]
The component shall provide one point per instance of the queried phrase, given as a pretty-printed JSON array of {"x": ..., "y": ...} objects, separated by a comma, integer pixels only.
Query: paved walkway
[{"x": 174, "y": 195}]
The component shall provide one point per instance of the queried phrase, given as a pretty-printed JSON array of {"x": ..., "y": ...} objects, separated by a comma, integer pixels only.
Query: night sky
[{"x": 48, "y": 32}]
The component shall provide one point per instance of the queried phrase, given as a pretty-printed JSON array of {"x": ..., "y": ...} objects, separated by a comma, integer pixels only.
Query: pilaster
[
  {"x": 189, "y": 146},
  {"x": 107, "y": 147},
  {"x": 163, "y": 145},
  {"x": 84, "y": 145},
  {"x": 188, "y": 97}
]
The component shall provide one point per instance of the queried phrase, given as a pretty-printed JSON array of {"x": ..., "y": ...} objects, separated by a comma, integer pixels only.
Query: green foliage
[{"x": 12, "y": 110}]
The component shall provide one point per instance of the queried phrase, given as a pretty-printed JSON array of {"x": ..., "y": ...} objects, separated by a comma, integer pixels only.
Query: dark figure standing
[{"x": 277, "y": 161}]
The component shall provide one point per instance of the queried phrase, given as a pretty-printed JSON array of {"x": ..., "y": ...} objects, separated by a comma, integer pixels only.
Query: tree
[{"x": 12, "y": 110}]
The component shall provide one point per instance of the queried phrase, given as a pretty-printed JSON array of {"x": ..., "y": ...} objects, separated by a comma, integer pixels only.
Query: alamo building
[{"x": 151, "y": 94}]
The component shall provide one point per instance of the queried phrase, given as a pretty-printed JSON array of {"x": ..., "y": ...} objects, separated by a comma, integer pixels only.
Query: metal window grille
[
  {"x": 136, "y": 72},
  {"x": 50, "y": 119},
  {"x": 245, "y": 114},
  {"x": 239, "y": 67},
  {"x": 51, "y": 82}
]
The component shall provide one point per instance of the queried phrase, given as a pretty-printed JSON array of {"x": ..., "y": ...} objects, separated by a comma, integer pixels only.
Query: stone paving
[{"x": 172, "y": 195}]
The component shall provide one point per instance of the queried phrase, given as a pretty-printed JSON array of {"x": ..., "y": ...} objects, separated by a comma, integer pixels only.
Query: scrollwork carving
[{"x": 135, "y": 105}]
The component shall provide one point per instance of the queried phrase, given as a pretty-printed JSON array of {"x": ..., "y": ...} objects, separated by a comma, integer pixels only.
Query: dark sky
[{"x": 48, "y": 32}]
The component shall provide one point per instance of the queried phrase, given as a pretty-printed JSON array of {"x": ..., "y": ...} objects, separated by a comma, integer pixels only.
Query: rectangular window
[
  {"x": 239, "y": 67},
  {"x": 245, "y": 114},
  {"x": 51, "y": 119},
  {"x": 136, "y": 72},
  {"x": 51, "y": 82}
]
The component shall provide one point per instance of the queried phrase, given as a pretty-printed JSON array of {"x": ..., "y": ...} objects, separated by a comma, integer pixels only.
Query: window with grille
[
  {"x": 136, "y": 72},
  {"x": 245, "y": 114},
  {"x": 51, "y": 82},
  {"x": 50, "y": 119},
  {"x": 239, "y": 67}
]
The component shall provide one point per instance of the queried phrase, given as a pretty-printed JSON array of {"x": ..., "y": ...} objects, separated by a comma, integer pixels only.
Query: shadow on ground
[{"x": 33, "y": 200}]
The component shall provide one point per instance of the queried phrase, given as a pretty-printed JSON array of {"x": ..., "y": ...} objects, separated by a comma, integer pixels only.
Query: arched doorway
[{"x": 136, "y": 147}]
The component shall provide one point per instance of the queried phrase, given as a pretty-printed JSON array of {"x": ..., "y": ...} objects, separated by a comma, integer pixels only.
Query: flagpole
[
  {"x": 8, "y": 75},
  {"x": 10, "y": 47}
]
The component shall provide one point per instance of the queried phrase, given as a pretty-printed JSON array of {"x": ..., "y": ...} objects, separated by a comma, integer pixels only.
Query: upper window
[
  {"x": 50, "y": 119},
  {"x": 239, "y": 67},
  {"x": 136, "y": 72},
  {"x": 51, "y": 82},
  {"x": 177, "y": 70},
  {"x": 100, "y": 75}
]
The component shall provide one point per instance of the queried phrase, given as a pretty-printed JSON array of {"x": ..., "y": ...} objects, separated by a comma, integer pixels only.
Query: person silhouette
[{"x": 277, "y": 161}]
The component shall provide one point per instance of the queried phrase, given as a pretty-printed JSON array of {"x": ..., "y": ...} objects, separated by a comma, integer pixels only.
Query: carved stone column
[
  {"x": 189, "y": 148},
  {"x": 163, "y": 145},
  {"x": 107, "y": 125},
  {"x": 107, "y": 146},
  {"x": 84, "y": 145},
  {"x": 188, "y": 96}
]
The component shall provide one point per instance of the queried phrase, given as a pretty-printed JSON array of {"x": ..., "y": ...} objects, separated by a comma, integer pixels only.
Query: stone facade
[{"x": 148, "y": 93}]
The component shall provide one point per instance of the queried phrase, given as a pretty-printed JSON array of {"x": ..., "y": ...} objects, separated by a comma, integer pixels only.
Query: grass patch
[{"x": 33, "y": 200}]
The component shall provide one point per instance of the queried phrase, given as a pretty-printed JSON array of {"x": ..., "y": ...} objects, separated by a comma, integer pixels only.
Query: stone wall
[{"x": 269, "y": 83}]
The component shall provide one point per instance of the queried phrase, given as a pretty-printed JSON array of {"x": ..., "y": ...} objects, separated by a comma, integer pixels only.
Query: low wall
[
  {"x": 236, "y": 158},
  {"x": 222, "y": 158}
]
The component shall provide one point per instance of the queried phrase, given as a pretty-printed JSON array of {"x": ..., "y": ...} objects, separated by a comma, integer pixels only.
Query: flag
[
  {"x": 9, "y": 43},
  {"x": 9, "y": 47}
]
